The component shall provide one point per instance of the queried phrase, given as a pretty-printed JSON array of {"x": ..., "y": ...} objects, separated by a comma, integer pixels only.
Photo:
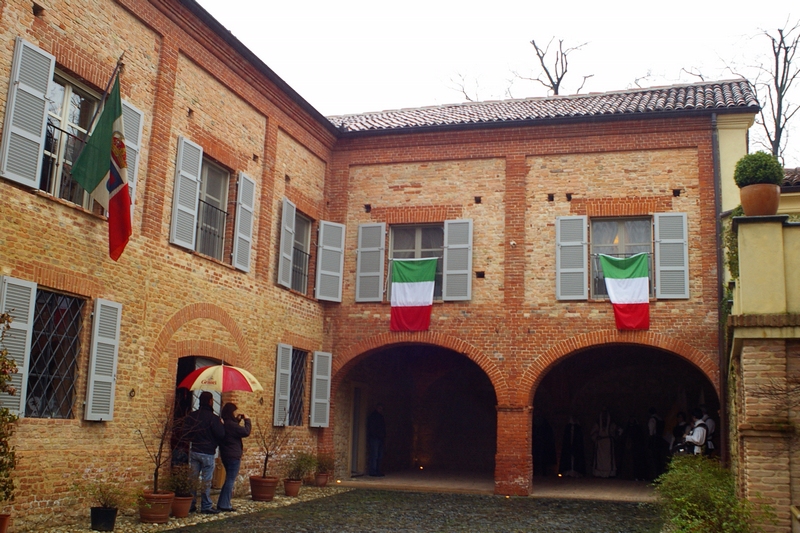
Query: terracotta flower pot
[
  {"x": 181, "y": 506},
  {"x": 321, "y": 480},
  {"x": 291, "y": 487},
  {"x": 154, "y": 508},
  {"x": 262, "y": 489},
  {"x": 760, "y": 199},
  {"x": 4, "y": 519}
]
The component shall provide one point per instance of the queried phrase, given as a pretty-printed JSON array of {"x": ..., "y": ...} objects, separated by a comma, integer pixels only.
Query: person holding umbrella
[
  {"x": 230, "y": 451},
  {"x": 204, "y": 430}
]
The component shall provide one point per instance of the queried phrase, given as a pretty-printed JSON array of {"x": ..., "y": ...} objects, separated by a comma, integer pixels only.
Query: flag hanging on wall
[
  {"x": 101, "y": 169},
  {"x": 628, "y": 286},
  {"x": 412, "y": 293}
]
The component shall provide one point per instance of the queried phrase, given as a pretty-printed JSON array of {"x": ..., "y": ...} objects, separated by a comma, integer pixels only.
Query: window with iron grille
[
  {"x": 301, "y": 254},
  {"x": 211, "y": 210},
  {"x": 55, "y": 348},
  {"x": 298, "y": 387},
  {"x": 621, "y": 237},
  {"x": 70, "y": 110}
]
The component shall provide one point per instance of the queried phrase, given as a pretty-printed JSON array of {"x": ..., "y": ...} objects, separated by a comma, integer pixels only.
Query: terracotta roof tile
[
  {"x": 710, "y": 96},
  {"x": 791, "y": 177}
]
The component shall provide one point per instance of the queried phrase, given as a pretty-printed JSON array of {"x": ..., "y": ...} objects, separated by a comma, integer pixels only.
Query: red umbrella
[{"x": 221, "y": 378}]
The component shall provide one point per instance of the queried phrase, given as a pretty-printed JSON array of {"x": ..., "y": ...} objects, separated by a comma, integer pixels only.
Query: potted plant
[
  {"x": 185, "y": 483},
  {"x": 759, "y": 177},
  {"x": 108, "y": 497},
  {"x": 299, "y": 467},
  {"x": 155, "y": 504},
  {"x": 270, "y": 440},
  {"x": 8, "y": 458},
  {"x": 324, "y": 469}
]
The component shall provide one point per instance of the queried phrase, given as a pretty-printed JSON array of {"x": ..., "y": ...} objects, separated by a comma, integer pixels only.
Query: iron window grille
[
  {"x": 210, "y": 230},
  {"x": 55, "y": 348},
  {"x": 298, "y": 387}
]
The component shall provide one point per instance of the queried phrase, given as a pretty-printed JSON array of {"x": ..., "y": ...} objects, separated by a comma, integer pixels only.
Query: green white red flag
[
  {"x": 628, "y": 286},
  {"x": 102, "y": 170},
  {"x": 412, "y": 293}
]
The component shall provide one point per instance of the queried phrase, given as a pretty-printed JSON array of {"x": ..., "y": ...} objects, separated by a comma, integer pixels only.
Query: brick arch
[
  {"x": 212, "y": 349},
  {"x": 534, "y": 374},
  {"x": 354, "y": 352}
]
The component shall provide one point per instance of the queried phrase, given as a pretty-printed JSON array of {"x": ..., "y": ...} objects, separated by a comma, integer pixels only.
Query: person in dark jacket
[
  {"x": 230, "y": 451},
  {"x": 205, "y": 431},
  {"x": 376, "y": 433}
]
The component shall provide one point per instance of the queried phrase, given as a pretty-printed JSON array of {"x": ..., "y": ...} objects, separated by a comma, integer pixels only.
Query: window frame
[
  {"x": 418, "y": 251},
  {"x": 218, "y": 251},
  {"x": 595, "y": 272}
]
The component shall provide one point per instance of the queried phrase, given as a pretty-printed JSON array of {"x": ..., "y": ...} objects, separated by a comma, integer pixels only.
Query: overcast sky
[{"x": 352, "y": 56}]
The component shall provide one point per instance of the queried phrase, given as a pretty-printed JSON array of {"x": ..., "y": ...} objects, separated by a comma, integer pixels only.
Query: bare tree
[
  {"x": 774, "y": 82},
  {"x": 554, "y": 68}
]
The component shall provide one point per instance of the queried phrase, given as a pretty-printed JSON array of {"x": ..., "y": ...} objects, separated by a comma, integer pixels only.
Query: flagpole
[{"x": 117, "y": 68}]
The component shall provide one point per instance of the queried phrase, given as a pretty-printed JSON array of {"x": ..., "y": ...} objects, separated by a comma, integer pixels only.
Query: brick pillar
[{"x": 513, "y": 469}]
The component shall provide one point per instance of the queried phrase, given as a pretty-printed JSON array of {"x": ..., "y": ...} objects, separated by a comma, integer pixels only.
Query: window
[
  {"x": 211, "y": 210},
  {"x": 47, "y": 119},
  {"x": 45, "y": 342},
  {"x": 665, "y": 235},
  {"x": 419, "y": 242},
  {"x": 290, "y": 387},
  {"x": 294, "y": 259},
  {"x": 71, "y": 108},
  {"x": 622, "y": 237},
  {"x": 199, "y": 208},
  {"x": 451, "y": 242}
]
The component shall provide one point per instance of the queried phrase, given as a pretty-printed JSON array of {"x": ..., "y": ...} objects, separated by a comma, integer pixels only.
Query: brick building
[{"x": 263, "y": 235}]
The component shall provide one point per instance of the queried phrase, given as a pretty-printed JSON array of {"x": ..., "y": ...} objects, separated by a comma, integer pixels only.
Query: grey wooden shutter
[
  {"x": 18, "y": 298},
  {"x": 186, "y": 194},
  {"x": 671, "y": 256},
  {"x": 321, "y": 390},
  {"x": 25, "y": 123},
  {"x": 243, "y": 239},
  {"x": 286, "y": 255},
  {"x": 370, "y": 262},
  {"x": 103, "y": 358},
  {"x": 283, "y": 381},
  {"x": 572, "y": 258},
  {"x": 457, "y": 261},
  {"x": 132, "y": 123},
  {"x": 330, "y": 261}
]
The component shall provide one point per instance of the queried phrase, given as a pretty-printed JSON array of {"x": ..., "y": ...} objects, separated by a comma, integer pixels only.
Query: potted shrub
[
  {"x": 155, "y": 504},
  {"x": 108, "y": 497},
  {"x": 759, "y": 177},
  {"x": 8, "y": 458},
  {"x": 324, "y": 469},
  {"x": 270, "y": 440},
  {"x": 299, "y": 467},
  {"x": 185, "y": 483}
]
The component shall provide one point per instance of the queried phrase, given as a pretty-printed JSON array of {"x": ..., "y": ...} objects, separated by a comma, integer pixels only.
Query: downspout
[{"x": 723, "y": 365}]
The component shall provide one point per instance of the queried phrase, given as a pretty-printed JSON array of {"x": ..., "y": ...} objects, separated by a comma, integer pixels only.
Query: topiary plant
[{"x": 759, "y": 167}]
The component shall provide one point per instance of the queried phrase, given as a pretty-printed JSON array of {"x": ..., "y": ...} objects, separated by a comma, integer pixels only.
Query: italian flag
[
  {"x": 102, "y": 170},
  {"x": 412, "y": 293},
  {"x": 628, "y": 286}
]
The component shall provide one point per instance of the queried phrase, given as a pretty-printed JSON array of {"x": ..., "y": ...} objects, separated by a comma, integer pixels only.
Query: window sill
[{"x": 66, "y": 203}]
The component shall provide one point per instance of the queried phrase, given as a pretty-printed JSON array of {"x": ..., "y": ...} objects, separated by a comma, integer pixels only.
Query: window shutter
[
  {"x": 283, "y": 380},
  {"x": 25, "y": 125},
  {"x": 321, "y": 390},
  {"x": 286, "y": 256},
  {"x": 671, "y": 256},
  {"x": 457, "y": 262},
  {"x": 18, "y": 298},
  {"x": 330, "y": 261},
  {"x": 186, "y": 193},
  {"x": 132, "y": 123},
  {"x": 245, "y": 206},
  {"x": 572, "y": 258},
  {"x": 369, "y": 262},
  {"x": 103, "y": 360}
]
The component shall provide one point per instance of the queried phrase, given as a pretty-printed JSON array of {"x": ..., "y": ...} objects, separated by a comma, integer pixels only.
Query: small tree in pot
[
  {"x": 759, "y": 177},
  {"x": 185, "y": 483},
  {"x": 325, "y": 464},
  {"x": 270, "y": 440},
  {"x": 300, "y": 467}
]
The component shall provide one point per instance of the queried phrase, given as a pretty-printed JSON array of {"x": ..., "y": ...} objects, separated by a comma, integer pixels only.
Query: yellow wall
[{"x": 732, "y": 131}]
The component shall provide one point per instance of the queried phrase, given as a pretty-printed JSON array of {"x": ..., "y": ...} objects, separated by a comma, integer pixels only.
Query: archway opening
[
  {"x": 570, "y": 437},
  {"x": 439, "y": 408}
]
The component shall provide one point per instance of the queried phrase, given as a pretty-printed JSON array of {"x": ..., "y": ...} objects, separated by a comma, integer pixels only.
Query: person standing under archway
[{"x": 376, "y": 434}]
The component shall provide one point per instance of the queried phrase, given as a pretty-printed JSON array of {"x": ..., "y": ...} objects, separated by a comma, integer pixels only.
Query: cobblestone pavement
[{"x": 340, "y": 510}]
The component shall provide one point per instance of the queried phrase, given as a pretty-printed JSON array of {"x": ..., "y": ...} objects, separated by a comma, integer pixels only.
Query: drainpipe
[{"x": 723, "y": 359}]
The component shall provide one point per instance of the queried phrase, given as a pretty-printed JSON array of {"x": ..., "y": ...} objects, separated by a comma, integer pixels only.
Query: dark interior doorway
[
  {"x": 626, "y": 380},
  {"x": 439, "y": 407}
]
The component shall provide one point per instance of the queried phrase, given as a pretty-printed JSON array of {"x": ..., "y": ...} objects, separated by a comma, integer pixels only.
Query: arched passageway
[
  {"x": 625, "y": 380},
  {"x": 439, "y": 407}
]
